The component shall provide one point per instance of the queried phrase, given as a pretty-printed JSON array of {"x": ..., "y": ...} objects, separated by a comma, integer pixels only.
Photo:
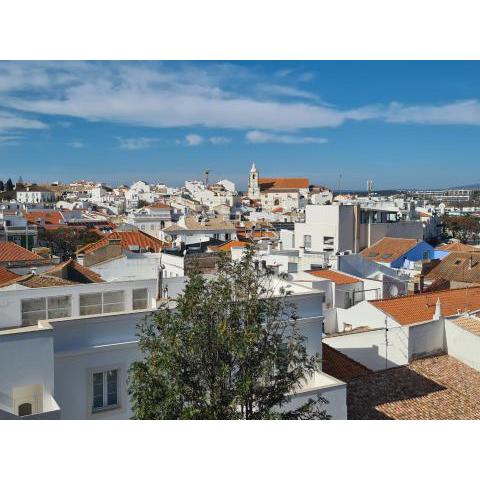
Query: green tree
[
  {"x": 64, "y": 242},
  {"x": 229, "y": 349},
  {"x": 9, "y": 185},
  {"x": 142, "y": 203}
]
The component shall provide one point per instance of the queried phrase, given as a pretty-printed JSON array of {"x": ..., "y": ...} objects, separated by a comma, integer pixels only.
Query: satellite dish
[{"x": 168, "y": 238}]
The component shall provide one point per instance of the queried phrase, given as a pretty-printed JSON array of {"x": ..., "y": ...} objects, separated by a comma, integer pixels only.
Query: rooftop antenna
[
  {"x": 369, "y": 188},
  {"x": 206, "y": 173}
]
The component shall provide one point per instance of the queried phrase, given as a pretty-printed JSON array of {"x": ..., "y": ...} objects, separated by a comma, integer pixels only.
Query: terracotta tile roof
[
  {"x": 214, "y": 223},
  {"x": 53, "y": 217},
  {"x": 457, "y": 247},
  {"x": 412, "y": 309},
  {"x": 7, "y": 275},
  {"x": 32, "y": 280},
  {"x": 41, "y": 281},
  {"x": 337, "y": 277},
  {"x": 458, "y": 267},
  {"x": 437, "y": 284},
  {"x": 10, "y": 252},
  {"x": 127, "y": 239},
  {"x": 227, "y": 246},
  {"x": 270, "y": 184},
  {"x": 264, "y": 234},
  {"x": 388, "y": 249},
  {"x": 340, "y": 366},
  {"x": 433, "y": 388},
  {"x": 470, "y": 324},
  {"x": 73, "y": 271},
  {"x": 159, "y": 205}
]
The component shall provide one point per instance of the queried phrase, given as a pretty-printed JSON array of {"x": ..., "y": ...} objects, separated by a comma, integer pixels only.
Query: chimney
[
  {"x": 160, "y": 282},
  {"x": 438, "y": 315}
]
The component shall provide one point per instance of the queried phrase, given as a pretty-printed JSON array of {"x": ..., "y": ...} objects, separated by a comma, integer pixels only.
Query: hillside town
[{"x": 386, "y": 287}]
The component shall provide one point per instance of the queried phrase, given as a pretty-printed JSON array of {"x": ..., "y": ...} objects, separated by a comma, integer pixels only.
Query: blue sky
[{"x": 402, "y": 124}]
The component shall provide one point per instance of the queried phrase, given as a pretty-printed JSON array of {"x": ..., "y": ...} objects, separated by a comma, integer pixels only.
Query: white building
[
  {"x": 388, "y": 333},
  {"x": 192, "y": 229},
  {"x": 286, "y": 193},
  {"x": 35, "y": 194},
  {"x": 339, "y": 228},
  {"x": 151, "y": 219},
  {"x": 65, "y": 349}
]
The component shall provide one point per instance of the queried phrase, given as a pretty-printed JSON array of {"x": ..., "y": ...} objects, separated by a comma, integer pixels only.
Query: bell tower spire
[{"x": 253, "y": 184}]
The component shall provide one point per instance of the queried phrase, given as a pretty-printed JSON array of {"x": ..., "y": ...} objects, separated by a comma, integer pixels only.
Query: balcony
[{"x": 29, "y": 403}]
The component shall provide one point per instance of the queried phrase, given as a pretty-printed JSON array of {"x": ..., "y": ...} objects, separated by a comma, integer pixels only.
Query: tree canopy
[{"x": 229, "y": 348}]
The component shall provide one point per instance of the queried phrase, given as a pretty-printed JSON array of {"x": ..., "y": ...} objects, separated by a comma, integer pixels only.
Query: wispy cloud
[
  {"x": 76, "y": 144},
  {"x": 219, "y": 140},
  {"x": 257, "y": 136},
  {"x": 9, "y": 140},
  {"x": 285, "y": 91},
  {"x": 465, "y": 112},
  {"x": 221, "y": 96},
  {"x": 138, "y": 143},
  {"x": 11, "y": 122},
  {"x": 194, "y": 140}
]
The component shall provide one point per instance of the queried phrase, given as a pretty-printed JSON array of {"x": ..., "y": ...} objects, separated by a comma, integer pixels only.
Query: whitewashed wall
[
  {"x": 426, "y": 338},
  {"x": 368, "y": 348},
  {"x": 463, "y": 345}
]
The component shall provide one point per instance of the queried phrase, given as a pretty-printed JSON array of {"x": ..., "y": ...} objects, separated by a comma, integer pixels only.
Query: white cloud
[
  {"x": 10, "y": 122},
  {"x": 76, "y": 144},
  {"x": 138, "y": 143},
  {"x": 165, "y": 97},
  {"x": 257, "y": 136},
  {"x": 162, "y": 94},
  {"x": 193, "y": 139},
  {"x": 285, "y": 91},
  {"x": 465, "y": 112},
  {"x": 9, "y": 140},
  {"x": 219, "y": 140}
]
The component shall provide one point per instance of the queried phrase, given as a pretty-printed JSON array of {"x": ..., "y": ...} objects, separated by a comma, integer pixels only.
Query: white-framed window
[
  {"x": 105, "y": 391},
  {"x": 106, "y": 302},
  {"x": 140, "y": 298},
  {"x": 328, "y": 240},
  {"x": 35, "y": 309}
]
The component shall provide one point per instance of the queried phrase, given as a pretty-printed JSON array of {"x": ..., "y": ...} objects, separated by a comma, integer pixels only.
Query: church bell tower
[{"x": 253, "y": 184}]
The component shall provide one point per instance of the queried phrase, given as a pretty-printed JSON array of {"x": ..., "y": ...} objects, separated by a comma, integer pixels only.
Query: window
[
  {"x": 105, "y": 390},
  {"x": 90, "y": 303},
  {"x": 328, "y": 240},
  {"x": 140, "y": 299},
  {"x": 307, "y": 241},
  {"x": 59, "y": 307},
  {"x": 106, "y": 302},
  {"x": 35, "y": 309},
  {"x": 113, "y": 302},
  {"x": 25, "y": 409}
]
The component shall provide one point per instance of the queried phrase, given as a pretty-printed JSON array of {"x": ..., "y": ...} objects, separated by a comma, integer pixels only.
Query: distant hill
[{"x": 473, "y": 186}]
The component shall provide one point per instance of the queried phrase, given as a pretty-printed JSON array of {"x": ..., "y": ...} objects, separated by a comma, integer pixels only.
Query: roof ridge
[{"x": 422, "y": 294}]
